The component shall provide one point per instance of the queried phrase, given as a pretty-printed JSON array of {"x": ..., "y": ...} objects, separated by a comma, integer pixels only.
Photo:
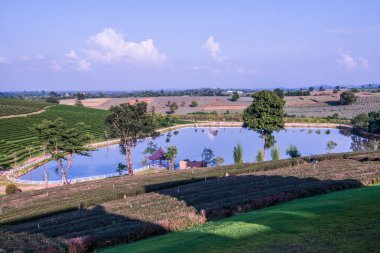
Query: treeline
[{"x": 291, "y": 93}]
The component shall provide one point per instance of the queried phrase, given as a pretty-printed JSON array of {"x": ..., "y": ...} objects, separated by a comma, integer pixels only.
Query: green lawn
[{"x": 346, "y": 221}]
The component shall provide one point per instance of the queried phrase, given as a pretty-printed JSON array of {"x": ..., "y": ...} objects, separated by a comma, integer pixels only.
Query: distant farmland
[{"x": 319, "y": 104}]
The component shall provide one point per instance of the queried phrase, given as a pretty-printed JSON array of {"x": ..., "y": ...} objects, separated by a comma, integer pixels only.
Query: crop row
[
  {"x": 20, "y": 106},
  {"x": 136, "y": 217},
  {"x": 35, "y": 204},
  {"x": 16, "y": 133},
  {"x": 363, "y": 105}
]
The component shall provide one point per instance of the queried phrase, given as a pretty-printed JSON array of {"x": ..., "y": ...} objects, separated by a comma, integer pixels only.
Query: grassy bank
[{"x": 346, "y": 221}]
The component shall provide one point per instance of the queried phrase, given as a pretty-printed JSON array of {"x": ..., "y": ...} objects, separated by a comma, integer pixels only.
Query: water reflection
[{"x": 191, "y": 142}]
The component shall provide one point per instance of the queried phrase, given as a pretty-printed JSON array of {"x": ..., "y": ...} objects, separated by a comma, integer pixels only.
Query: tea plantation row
[
  {"x": 136, "y": 217},
  {"x": 20, "y": 106},
  {"x": 35, "y": 204},
  {"x": 16, "y": 134}
]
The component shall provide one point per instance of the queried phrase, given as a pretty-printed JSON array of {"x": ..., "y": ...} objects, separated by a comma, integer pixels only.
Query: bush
[
  {"x": 293, "y": 152},
  {"x": 52, "y": 100},
  {"x": 193, "y": 103},
  {"x": 275, "y": 153},
  {"x": 260, "y": 156},
  {"x": 235, "y": 96},
  {"x": 347, "y": 98},
  {"x": 12, "y": 189}
]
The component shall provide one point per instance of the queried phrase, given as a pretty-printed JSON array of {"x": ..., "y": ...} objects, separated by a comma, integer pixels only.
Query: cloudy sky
[{"x": 129, "y": 45}]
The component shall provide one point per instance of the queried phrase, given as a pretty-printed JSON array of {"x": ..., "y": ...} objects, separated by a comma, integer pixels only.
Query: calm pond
[{"x": 191, "y": 142}]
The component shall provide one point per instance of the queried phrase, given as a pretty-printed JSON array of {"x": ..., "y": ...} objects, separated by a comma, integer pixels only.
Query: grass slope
[
  {"x": 346, "y": 221},
  {"x": 16, "y": 135}
]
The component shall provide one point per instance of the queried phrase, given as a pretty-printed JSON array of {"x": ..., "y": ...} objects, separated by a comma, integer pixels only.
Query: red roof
[{"x": 157, "y": 155}]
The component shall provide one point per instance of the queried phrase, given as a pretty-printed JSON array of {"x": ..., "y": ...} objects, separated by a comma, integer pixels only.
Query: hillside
[
  {"x": 346, "y": 221},
  {"x": 20, "y": 106},
  {"x": 16, "y": 135},
  {"x": 116, "y": 210}
]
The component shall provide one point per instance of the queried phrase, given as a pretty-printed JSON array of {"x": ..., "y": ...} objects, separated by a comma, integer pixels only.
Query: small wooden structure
[
  {"x": 186, "y": 164},
  {"x": 158, "y": 159}
]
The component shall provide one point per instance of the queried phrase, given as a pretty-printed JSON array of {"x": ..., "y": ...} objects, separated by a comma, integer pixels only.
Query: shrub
[
  {"x": 347, "y": 98},
  {"x": 235, "y": 96},
  {"x": 12, "y": 189},
  {"x": 260, "y": 156},
  {"x": 193, "y": 103},
  {"x": 238, "y": 154},
  {"x": 293, "y": 152},
  {"x": 52, "y": 100},
  {"x": 275, "y": 153}
]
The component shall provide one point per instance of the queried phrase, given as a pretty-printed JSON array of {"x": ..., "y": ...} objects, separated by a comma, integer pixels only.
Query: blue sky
[{"x": 129, "y": 45}]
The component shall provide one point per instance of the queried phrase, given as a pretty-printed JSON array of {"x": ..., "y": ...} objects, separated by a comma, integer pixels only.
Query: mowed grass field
[
  {"x": 116, "y": 210},
  {"x": 20, "y": 106},
  {"x": 16, "y": 133},
  {"x": 345, "y": 221}
]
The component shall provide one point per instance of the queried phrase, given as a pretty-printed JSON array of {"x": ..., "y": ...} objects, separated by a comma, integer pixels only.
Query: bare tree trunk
[
  {"x": 46, "y": 177},
  {"x": 128, "y": 153},
  {"x": 64, "y": 178},
  {"x": 264, "y": 150}
]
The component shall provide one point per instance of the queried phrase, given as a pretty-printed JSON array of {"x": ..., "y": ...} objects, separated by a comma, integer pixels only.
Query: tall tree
[
  {"x": 208, "y": 157},
  {"x": 130, "y": 123},
  {"x": 265, "y": 115},
  {"x": 62, "y": 142},
  {"x": 171, "y": 154}
]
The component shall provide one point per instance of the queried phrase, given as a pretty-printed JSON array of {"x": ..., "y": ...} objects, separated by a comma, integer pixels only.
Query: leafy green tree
[
  {"x": 374, "y": 122},
  {"x": 360, "y": 121},
  {"x": 347, "y": 97},
  {"x": 171, "y": 154},
  {"x": 260, "y": 156},
  {"x": 208, "y": 157},
  {"x": 321, "y": 88},
  {"x": 275, "y": 153},
  {"x": 62, "y": 142},
  {"x": 130, "y": 123},
  {"x": 311, "y": 89},
  {"x": 218, "y": 160},
  {"x": 235, "y": 96},
  {"x": 331, "y": 145},
  {"x": 238, "y": 154},
  {"x": 265, "y": 115},
  {"x": 293, "y": 152},
  {"x": 279, "y": 93}
]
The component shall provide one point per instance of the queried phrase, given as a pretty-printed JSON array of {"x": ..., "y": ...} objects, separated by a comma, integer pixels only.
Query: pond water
[{"x": 191, "y": 142}]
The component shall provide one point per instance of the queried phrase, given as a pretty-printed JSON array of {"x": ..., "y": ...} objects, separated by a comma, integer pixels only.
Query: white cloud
[
  {"x": 40, "y": 57},
  {"x": 348, "y": 63},
  {"x": 4, "y": 60},
  {"x": 23, "y": 58},
  {"x": 83, "y": 65},
  {"x": 214, "y": 49},
  {"x": 55, "y": 66},
  {"x": 111, "y": 46},
  {"x": 72, "y": 55}
]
